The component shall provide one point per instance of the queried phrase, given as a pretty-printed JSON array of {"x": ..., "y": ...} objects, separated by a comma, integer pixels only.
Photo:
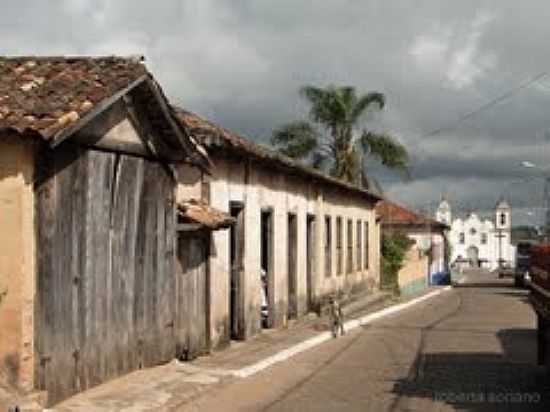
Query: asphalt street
[{"x": 472, "y": 348}]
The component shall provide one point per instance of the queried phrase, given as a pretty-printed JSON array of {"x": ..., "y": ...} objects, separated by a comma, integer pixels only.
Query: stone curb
[{"x": 325, "y": 336}]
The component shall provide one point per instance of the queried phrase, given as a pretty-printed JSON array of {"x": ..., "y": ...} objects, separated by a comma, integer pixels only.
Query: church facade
[{"x": 477, "y": 242}]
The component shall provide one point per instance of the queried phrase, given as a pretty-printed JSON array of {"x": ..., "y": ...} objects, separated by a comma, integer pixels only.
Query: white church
[{"x": 477, "y": 242}]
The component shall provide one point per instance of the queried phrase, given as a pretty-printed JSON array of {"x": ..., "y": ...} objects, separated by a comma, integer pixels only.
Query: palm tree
[{"x": 334, "y": 139}]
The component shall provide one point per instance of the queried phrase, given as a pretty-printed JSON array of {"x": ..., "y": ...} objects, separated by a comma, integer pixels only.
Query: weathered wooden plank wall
[
  {"x": 192, "y": 327},
  {"x": 106, "y": 282}
]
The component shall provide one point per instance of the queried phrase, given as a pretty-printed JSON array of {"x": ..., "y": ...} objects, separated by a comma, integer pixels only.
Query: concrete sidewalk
[{"x": 167, "y": 387}]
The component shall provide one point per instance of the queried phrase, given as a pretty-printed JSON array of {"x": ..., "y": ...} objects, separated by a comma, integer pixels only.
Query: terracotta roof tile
[
  {"x": 393, "y": 214},
  {"x": 197, "y": 211},
  {"x": 47, "y": 94}
]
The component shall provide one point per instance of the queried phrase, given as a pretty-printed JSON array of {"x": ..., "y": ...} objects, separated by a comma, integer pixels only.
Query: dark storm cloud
[{"x": 242, "y": 62}]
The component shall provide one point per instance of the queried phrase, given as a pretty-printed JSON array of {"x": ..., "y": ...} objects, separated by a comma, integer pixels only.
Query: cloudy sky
[{"x": 241, "y": 63}]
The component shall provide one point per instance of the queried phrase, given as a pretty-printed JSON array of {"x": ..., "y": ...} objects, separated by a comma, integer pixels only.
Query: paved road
[{"x": 472, "y": 349}]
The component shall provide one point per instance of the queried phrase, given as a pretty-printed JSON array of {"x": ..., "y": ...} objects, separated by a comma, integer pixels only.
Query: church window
[
  {"x": 503, "y": 219},
  {"x": 461, "y": 238},
  {"x": 473, "y": 232},
  {"x": 484, "y": 238}
]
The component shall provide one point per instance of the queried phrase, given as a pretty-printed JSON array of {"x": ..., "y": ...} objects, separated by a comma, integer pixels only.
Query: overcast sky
[{"x": 240, "y": 63}]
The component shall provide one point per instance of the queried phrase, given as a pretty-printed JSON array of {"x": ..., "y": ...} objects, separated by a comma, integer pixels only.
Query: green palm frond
[
  {"x": 297, "y": 139},
  {"x": 336, "y": 142},
  {"x": 321, "y": 104},
  {"x": 389, "y": 151},
  {"x": 365, "y": 102}
]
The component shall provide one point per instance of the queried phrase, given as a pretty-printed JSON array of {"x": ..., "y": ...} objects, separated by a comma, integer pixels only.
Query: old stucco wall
[
  {"x": 260, "y": 188},
  {"x": 435, "y": 241},
  {"x": 17, "y": 280},
  {"x": 189, "y": 186},
  {"x": 413, "y": 275}
]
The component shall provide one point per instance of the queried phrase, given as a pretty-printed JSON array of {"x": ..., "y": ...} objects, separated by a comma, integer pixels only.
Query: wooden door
[
  {"x": 292, "y": 269},
  {"x": 310, "y": 259},
  {"x": 236, "y": 274},
  {"x": 192, "y": 294}
]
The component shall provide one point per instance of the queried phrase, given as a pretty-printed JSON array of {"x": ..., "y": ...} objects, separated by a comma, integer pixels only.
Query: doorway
[
  {"x": 266, "y": 252},
  {"x": 292, "y": 272},
  {"x": 236, "y": 258},
  {"x": 473, "y": 256},
  {"x": 193, "y": 306},
  {"x": 310, "y": 260}
]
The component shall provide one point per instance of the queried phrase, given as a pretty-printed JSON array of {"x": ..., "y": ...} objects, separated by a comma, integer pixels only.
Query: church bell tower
[
  {"x": 443, "y": 213},
  {"x": 503, "y": 229},
  {"x": 503, "y": 216}
]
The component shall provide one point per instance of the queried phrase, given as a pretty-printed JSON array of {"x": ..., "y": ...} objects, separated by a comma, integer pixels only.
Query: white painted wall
[
  {"x": 473, "y": 228},
  {"x": 263, "y": 187}
]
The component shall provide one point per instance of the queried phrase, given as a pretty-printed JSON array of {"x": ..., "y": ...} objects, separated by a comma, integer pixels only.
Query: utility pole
[{"x": 499, "y": 236}]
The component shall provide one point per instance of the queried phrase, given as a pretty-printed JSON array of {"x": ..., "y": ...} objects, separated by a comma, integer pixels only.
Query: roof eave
[{"x": 287, "y": 164}]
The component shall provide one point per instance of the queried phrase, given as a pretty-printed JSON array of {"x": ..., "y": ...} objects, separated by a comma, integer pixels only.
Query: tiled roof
[
  {"x": 213, "y": 136},
  {"x": 44, "y": 95},
  {"x": 393, "y": 214},
  {"x": 197, "y": 211}
]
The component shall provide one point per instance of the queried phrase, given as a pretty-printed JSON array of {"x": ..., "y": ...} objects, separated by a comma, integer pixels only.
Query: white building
[{"x": 477, "y": 242}]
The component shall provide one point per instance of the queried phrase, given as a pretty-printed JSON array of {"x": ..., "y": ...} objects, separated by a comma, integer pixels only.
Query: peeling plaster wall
[
  {"x": 413, "y": 275},
  {"x": 436, "y": 242},
  {"x": 17, "y": 261},
  {"x": 260, "y": 188},
  {"x": 189, "y": 183}
]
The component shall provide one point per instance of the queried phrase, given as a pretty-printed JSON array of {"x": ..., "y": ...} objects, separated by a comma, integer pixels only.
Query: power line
[{"x": 487, "y": 105}]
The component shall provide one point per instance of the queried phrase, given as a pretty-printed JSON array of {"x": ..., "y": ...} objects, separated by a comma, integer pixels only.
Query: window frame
[
  {"x": 328, "y": 246},
  {"x": 350, "y": 247},
  {"x": 366, "y": 245},
  {"x": 359, "y": 245},
  {"x": 339, "y": 251}
]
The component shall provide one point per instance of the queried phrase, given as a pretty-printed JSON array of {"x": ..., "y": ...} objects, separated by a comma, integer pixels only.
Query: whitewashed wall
[{"x": 263, "y": 187}]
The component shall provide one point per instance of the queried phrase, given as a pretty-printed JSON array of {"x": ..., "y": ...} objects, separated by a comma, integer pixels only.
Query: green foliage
[
  {"x": 390, "y": 152},
  {"x": 333, "y": 140},
  {"x": 295, "y": 140},
  {"x": 394, "y": 248}
]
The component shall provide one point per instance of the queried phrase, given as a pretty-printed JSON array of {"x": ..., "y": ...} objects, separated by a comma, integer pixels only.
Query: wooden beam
[
  {"x": 189, "y": 227},
  {"x": 183, "y": 139},
  {"x": 64, "y": 134},
  {"x": 149, "y": 138}
]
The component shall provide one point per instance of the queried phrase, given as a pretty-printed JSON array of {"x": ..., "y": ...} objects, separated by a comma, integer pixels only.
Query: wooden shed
[{"x": 88, "y": 220}]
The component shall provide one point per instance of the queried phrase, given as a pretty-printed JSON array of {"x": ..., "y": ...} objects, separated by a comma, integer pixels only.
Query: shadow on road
[{"x": 483, "y": 381}]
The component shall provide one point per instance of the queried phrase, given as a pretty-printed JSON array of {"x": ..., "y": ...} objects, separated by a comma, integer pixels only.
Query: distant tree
[
  {"x": 394, "y": 247},
  {"x": 334, "y": 138}
]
